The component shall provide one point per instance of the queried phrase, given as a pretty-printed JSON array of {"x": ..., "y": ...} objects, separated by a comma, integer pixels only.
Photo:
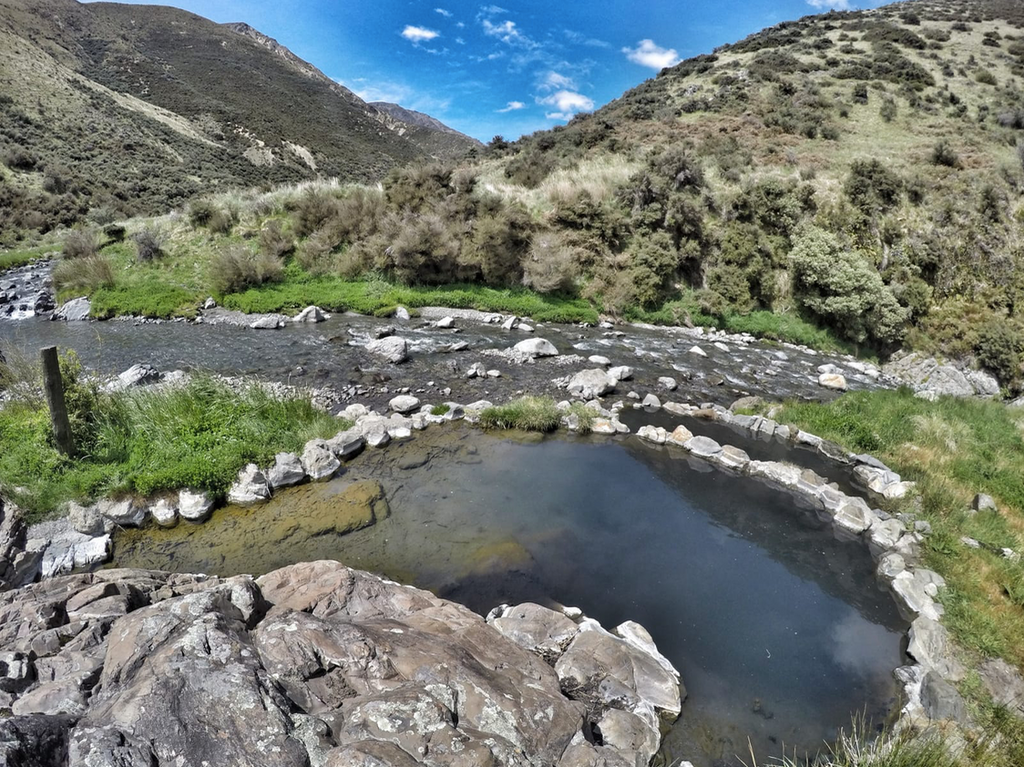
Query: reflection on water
[{"x": 775, "y": 626}]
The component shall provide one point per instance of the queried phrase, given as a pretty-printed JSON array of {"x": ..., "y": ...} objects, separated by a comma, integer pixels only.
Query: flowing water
[{"x": 777, "y": 628}]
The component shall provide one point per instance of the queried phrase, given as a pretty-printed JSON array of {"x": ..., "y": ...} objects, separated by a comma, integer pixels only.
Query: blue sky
[{"x": 510, "y": 68}]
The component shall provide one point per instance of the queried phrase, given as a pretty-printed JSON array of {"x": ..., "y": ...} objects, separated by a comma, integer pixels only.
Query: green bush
[
  {"x": 872, "y": 187},
  {"x": 550, "y": 264},
  {"x": 314, "y": 209},
  {"x": 274, "y": 243},
  {"x": 80, "y": 243},
  {"x": 200, "y": 212},
  {"x": 149, "y": 245},
  {"x": 234, "y": 268},
  {"x": 944, "y": 154},
  {"x": 999, "y": 350},
  {"x": 844, "y": 291}
]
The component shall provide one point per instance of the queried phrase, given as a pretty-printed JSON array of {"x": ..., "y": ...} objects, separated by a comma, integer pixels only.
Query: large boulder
[
  {"x": 592, "y": 383},
  {"x": 250, "y": 487},
  {"x": 537, "y": 347},
  {"x": 75, "y": 310},
  {"x": 313, "y": 664},
  {"x": 392, "y": 349},
  {"x": 319, "y": 460}
]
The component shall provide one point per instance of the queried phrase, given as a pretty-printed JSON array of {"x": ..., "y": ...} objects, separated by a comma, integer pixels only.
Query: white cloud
[
  {"x": 566, "y": 104},
  {"x": 838, "y": 5},
  {"x": 491, "y": 10},
  {"x": 460, "y": 41},
  {"x": 512, "y": 106},
  {"x": 551, "y": 80},
  {"x": 444, "y": 12},
  {"x": 418, "y": 34},
  {"x": 506, "y": 31},
  {"x": 648, "y": 54}
]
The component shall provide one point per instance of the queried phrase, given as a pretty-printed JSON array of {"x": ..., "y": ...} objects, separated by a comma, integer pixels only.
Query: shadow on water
[{"x": 775, "y": 626}]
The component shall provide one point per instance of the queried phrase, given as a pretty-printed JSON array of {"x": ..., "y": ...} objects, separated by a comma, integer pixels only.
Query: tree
[{"x": 843, "y": 290}]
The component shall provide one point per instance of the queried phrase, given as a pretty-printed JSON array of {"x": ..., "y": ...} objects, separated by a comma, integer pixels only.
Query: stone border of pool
[{"x": 84, "y": 538}]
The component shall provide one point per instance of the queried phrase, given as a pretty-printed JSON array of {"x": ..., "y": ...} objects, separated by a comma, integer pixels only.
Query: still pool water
[{"x": 778, "y": 629}]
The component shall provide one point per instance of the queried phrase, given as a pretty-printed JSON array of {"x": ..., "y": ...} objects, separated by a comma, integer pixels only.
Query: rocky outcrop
[
  {"x": 314, "y": 664},
  {"x": 932, "y": 378}
]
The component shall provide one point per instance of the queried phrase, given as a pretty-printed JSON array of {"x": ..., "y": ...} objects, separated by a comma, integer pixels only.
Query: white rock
[
  {"x": 401, "y": 313},
  {"x": 698, "y": 351},
  {"x": 651, "y": 401},
  {"x": 597, "y": 359},
  {"x": 523, "y": 327},
  {"x": 602, "y": 426},
  {"x": 680, "y": 436},
  {"x": 621, "y": 372},
  {"x": 511, "y": 323},
  {"x": 654, "y": 434},
  {"x": 705, "y": 447},
  {"x": 310, "y": 314},
  {"x": 92, "y": 552},
  {"x": 195, "y": 507},
  {"x": 588, "y": 384},
  {"x": 667, "y": 383},
  {"x": 404, "y": 403},
  {"x": 346, "y": 444},
  {"x": 832, "y": 381},
  {"x": 494, "y": 374},
  {"x": 124, "y": 513},
  {"x": 537, "y": 347},
  {"x": 164, "y": 513},
  {"x": 393, "y": 349},
  {"x": 721, "y": 347},
  {"x": 266, "y": 323},
  {"x": 319, "y": 460},
  {"x": 286, "y": 471},
  {"x": 75, "y": 310},
  {"x": 250, "y": 487}
]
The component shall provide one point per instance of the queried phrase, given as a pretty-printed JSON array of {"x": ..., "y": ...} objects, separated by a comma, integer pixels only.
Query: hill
[{"x": 123, "y": 109}]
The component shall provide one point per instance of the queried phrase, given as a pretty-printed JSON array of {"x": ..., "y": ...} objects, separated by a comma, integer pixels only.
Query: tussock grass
[
  {"x": 197, "y": 435},
  {"x": 526, "y": 414}
]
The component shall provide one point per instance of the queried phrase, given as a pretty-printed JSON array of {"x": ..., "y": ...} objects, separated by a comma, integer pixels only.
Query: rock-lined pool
[{"x": 777, "y": 629}]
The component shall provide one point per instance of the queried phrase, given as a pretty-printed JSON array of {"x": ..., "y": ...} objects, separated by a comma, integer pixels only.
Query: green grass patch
[
  {"x": 439, "y": 409},
  {"x": 15, "y": 258},
  {"x": 378, "y": 297},
  {"x": 144, "y": 298},
  {"x": 789, "y": 328},
  {"x": 198, "y": 435},
  {"x": 526, "y": 414}
]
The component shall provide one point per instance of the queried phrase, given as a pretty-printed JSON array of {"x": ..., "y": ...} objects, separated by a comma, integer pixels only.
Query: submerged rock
[{"x": 155, "y": 668}]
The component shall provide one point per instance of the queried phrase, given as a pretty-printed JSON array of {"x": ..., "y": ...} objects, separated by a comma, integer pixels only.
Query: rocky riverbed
[{"x": 316, "y": 664}]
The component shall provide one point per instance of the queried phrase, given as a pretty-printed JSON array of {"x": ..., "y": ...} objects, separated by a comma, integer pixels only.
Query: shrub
[
  {"x": 999, "y": 349},
  {"x": 860, "y": 93},
  {"x": 20, "y": 159},
  {"x": 222, "y": 221},
  {"x": 888, "y": 110},
  {"x": 841, "y": 288},
  {"x": 944, "y": 154},
  {"x": 425, "y": 249},
  {"x": 550, "y": 264},
  {"x": 871, "y": 186},
  {"x": 274, "y": 243},
  {"x": 83, "y": 275},
  {"x": 529, "y": 168},
  {"x": 81, "y": 243},
  {"x": 985, "y": 77},
  {"x": 149, "y": 245},
  {"x": 200, "y": 212},
  {"x": 235, "y": 268},
  {"x": 314, "y": 209},
  {"x": 498, "y": 246}
]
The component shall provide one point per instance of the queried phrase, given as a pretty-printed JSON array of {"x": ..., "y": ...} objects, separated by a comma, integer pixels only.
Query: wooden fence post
[{"x": 54, "y": 386}]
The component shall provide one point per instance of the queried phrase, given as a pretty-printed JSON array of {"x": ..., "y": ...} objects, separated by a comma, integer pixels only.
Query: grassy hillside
[{"x": 116, "y": 109}]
